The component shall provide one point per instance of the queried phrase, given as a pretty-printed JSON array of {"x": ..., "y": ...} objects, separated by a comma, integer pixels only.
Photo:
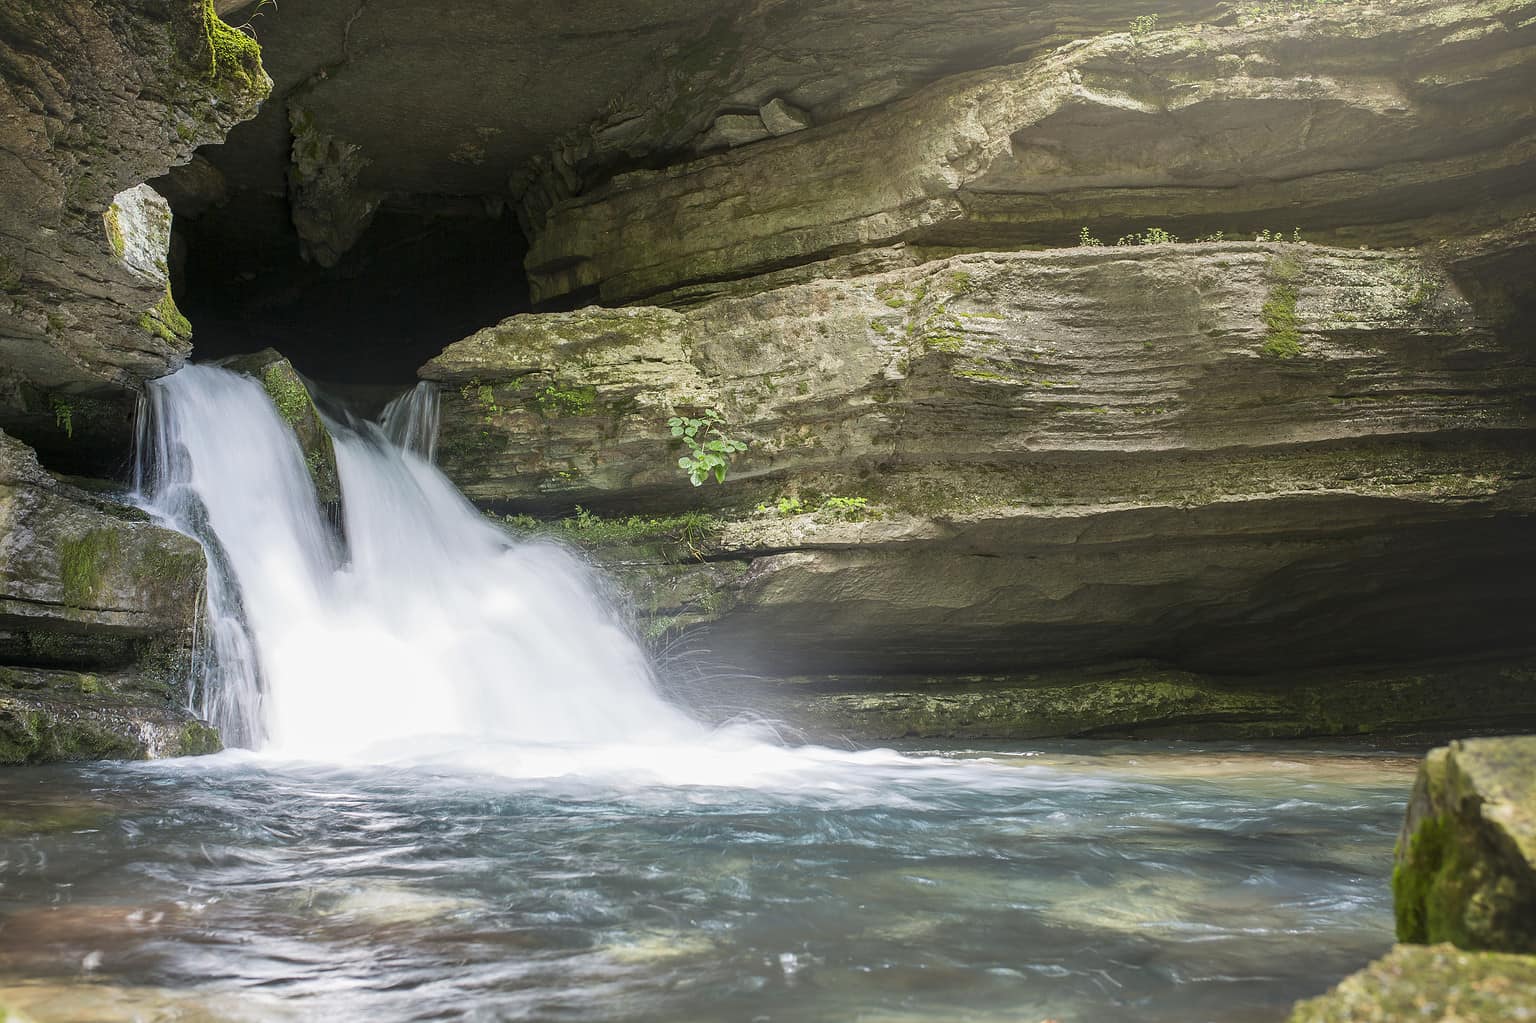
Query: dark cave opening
[{"x": 424, "y": 275}]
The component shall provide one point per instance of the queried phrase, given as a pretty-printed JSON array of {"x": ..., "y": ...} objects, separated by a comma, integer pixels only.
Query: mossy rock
[
  {"x": 51, "y": 716},
  {"x": 1466, "y": 859},
  {"x": 294, "y": 403},
  {"x": 1436, "y": 984}
]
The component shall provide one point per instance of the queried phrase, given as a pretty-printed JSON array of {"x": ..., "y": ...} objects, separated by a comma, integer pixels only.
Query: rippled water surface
[{"x": 1073, "y": 883}]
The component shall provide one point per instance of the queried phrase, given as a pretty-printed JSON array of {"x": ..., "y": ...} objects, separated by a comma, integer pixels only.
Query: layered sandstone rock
[
  {"x": 94, "y": 102},
  {"x": 97, "y": 611},
  {"x": 1237, "y": 460},
  {"x": 1356, "y": 121}
]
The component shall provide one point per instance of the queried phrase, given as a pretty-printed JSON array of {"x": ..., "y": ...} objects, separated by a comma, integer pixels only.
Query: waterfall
[
  {"x": 410, "y": 421},
  {"x": 431, "y": 626}
]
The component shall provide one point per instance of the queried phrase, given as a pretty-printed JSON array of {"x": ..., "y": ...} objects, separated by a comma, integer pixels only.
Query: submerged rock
[
  {"x": 1434, "y": 984},
  {"x": 1466, "y": 859}
]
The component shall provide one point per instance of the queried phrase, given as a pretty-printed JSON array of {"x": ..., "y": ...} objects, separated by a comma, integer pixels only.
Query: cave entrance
[{"x": 422, "y": 276}]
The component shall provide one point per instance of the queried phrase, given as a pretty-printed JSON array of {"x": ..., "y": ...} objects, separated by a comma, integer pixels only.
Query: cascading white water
[
  {"x": 410, "y": 421},
  {"x": 435, "y": 626}
]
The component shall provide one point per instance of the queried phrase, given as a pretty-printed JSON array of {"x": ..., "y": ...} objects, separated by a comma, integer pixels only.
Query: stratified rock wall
[
  {"x": 1235, "y": 459},
  {"x": 97, "y": 611},
  {"x": 1392, "y": 123},
  {"x": 96, "y": 98}
]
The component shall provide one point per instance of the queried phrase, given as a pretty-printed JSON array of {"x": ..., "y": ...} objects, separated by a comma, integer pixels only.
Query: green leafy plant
[
  {"x": 785, "y": 506},
  {"x": 710, "y": 448},
  {"x": 1084, "y": 238},
  {"x": 1151, "y": 236},
  {"x": 64, "y": 417},
  {"x": 849, "y": 509},
  {"x": 1143, "y": 26},
  {"x": 1267, "y": 235}
]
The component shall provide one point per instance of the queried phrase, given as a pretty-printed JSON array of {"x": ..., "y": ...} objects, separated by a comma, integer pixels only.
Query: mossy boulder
[
  {"x": 1430, "y": 984},
  {"x": 1466, "y": 858},
  {"x": 296, "y": 405},
  {"x": 98, "y": 607},
  {"x": 51, "y": 716}
]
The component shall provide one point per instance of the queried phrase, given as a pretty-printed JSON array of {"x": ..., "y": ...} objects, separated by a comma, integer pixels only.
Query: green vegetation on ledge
[
  {"x": 234, "y": 57},
  {"x": 692, "y": 530},
  {"x": 166, "y": 322}
]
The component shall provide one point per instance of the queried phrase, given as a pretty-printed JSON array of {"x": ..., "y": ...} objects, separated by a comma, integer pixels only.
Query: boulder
[
  {"x": 290, "y": 394},
  {"x": 1466, "y": 858},
  {"x": 1434, "y": 984},
  {"x": 98, "y": 607}
]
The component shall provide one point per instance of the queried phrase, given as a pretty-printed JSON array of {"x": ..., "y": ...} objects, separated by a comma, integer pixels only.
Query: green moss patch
[
  {"x": 198, "y": 739},
  {"x": 287, "y": 393},
  {"x": 84, "y": 563},
  {"x": 234, "y": 58},
  {"x": 112, "y": 221},
  {"x": 567, "y": 401},
  {"x": 1282, "y": 338},
  {"x": 166, "y": 322},
  {"x": 1427, "y": 884}
]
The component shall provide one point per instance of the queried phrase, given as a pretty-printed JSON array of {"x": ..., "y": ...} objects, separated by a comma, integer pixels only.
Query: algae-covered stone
[
  {"x": 290, "y": 394},
  {"x": 49, "y": 716},
  {"x": 1434, "y": 984},
  {"x": 1466, "y": 858}
]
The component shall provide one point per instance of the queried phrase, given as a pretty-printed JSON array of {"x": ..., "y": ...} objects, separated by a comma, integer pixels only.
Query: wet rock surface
[
  {"x": 97, "y": 611},
  {"x": 1466, "y": 859},
  {"x": 1438, "y": 983}
]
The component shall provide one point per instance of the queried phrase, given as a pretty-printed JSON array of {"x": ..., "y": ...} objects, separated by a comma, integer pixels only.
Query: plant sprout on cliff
[{"x": 710, "y": 449}]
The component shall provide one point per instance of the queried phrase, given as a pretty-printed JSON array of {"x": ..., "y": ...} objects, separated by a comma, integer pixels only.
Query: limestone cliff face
[
  {"x": 96, "y": 99},
  {"x": 1232, "y": 459},
  {"x": 1007, "y": 479},
  {"x": 1356, "y": 121}
]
